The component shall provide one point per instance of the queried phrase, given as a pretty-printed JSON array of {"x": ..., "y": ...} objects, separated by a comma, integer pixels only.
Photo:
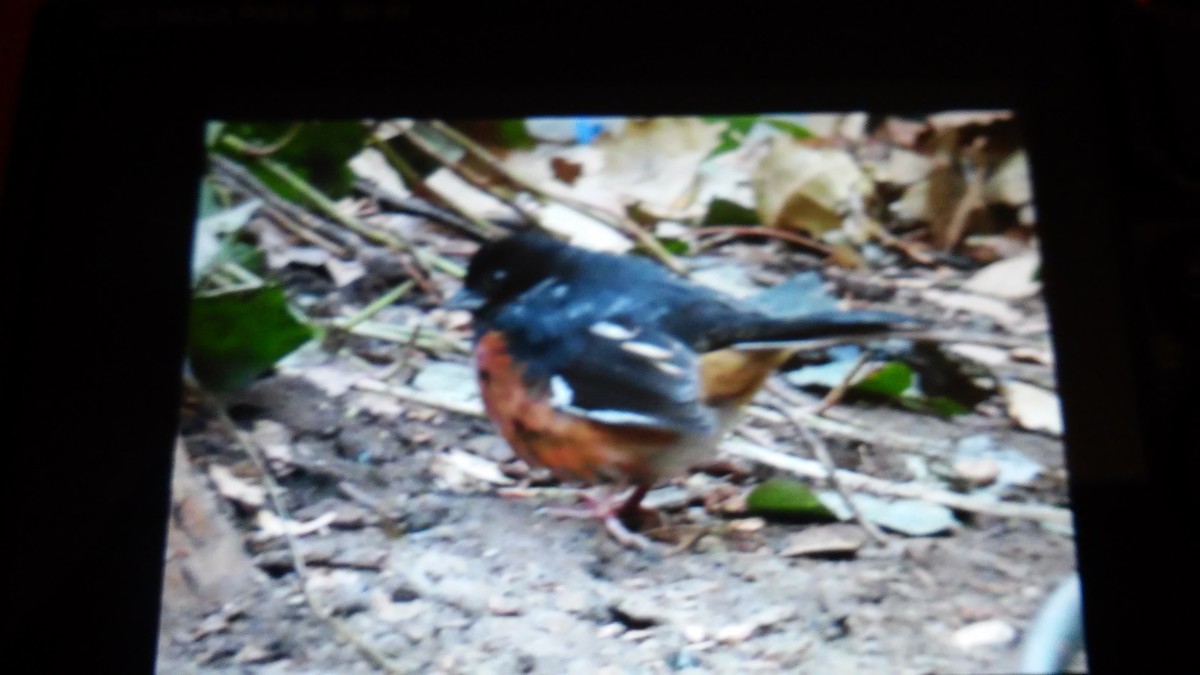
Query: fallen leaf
[
  {"x": 784, "y": 497},
  {"x": 825, "y": 540},
  {"x": 236, "y": 489},
  {"x": 565, "y": 170},
  {"x": 1009, "y": 183},
  {"x": 902, "y": 167},
  {"x": 655, "y": 161},
  {"x": 804, "y": 188},
  {"x": 1033, "y": 408},
  {"x": 1011, "y": 279}
]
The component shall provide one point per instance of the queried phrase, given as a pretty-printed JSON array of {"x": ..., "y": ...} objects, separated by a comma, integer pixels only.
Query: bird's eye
[{"x": 499, "y": 275}]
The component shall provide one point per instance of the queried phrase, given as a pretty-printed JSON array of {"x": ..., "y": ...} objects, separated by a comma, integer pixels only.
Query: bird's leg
[{"x": 616, "y": 515}]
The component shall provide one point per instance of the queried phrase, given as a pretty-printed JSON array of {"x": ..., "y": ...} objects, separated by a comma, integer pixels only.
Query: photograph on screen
[{"x": 706, "y": 393}]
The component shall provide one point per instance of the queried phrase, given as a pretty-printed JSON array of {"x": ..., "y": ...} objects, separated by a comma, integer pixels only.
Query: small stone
[
  {"x": 610, "y": 630},
  {"x": 989, "y": 633},
  {"x": 977, "y": 471},
  {"x": 502, "y": 606},
  {"x": 735, "y": 634}
]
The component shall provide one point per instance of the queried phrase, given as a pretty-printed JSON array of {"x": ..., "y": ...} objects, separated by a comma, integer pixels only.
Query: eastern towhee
[{"x": 607, "y": 368}]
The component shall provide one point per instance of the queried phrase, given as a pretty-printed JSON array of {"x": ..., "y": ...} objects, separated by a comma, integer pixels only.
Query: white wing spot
[
  {"x": 622, "y": 417},
  {"x": 561, "y": 393},
  {"x": 648, "y": 350},
  {"x": 669, "y": 368},
  {"x": 560, "y": 291},
  {"x": 611, "y": 331}
]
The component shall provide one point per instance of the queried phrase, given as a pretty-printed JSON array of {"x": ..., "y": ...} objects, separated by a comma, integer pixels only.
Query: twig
[
  {"x": 835, "y": 395},
  {"x": 378, "y": 304},
  {"x": 647, "y": 240},
  {"x": 413, "y": 136},
  {"x": 831, "y": 473},
  {"x": 326, "y": 206},
  {"x": 237, "y": 177},
  {"x": 797, "y": 465},
  {"x": 425, "y": 339},
  {"x": 769, "y": 232},
  {"x": 275, "y": 493},
  {"x": 431, "y": 400},
  {"x": 419, "y": 207},
  {"x": 414, "y": 180},
  {"x": 253, "y": 150},
  {"x": 306, "y": 233}
]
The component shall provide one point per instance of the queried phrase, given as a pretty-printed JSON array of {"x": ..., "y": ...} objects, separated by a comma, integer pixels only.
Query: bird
[{"x": 611, "y": 369}]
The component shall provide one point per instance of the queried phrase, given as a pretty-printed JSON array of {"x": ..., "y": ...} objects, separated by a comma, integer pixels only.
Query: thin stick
[
  {"x": 379, "y": 303},
  {"x": 835, "y": 395},
  {"x": 821, "y": 451},
  {"x": 413, "y": 136},
  {"x": 768, "y": 232},
  {"x": 414, "y": 179},
  {"x": 420, "y": 207}
]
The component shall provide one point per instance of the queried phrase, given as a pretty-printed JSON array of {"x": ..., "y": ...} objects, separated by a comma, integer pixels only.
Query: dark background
[{"x": 106, "y": 148}]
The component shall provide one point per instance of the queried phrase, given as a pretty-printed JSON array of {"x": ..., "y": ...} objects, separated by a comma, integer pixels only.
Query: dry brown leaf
[
  {"x": 902, "y": 167},
  {"x": 804, "y": 188},
  {"x": 1033, "y": 408},
  {"x": 654, "y": 161},
  {"x": 565, "y": 170},
  {"x": 1009, "y": 183},
  {"x": 236, "y": 489}
]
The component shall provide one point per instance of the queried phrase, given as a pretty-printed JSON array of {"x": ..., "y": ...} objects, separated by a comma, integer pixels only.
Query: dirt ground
[{"x": 416, "y": 552}]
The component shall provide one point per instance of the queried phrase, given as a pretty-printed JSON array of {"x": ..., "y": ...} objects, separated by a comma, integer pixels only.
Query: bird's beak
[{"x": 465, "y": 299}]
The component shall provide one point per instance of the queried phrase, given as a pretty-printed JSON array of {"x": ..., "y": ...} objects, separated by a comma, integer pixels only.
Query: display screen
[{"x": 344, "y": 501}]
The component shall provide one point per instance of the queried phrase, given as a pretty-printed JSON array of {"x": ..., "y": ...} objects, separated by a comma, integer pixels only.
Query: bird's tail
[{"x": 814, "y": 330}]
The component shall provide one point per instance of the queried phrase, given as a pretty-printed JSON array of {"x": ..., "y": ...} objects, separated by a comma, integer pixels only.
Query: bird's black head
[{"x": 502, "y": 270}]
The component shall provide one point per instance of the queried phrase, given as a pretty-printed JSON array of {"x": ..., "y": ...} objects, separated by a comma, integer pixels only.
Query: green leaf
[
  {"x": 938, "y": 405},
  {"x": 674, "y": 246},
  {"x": 792, "y": 129},
  {"x": 737, "y": 126},
  {"x": 725, "y": 212},
  {"x": 784, "y": 497},
  {"x": 235, "y": 337},
  {"x": 514, "y": 135},
  {"x": 319, "y": 152},
  {"x": 891, "y": 379}
]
